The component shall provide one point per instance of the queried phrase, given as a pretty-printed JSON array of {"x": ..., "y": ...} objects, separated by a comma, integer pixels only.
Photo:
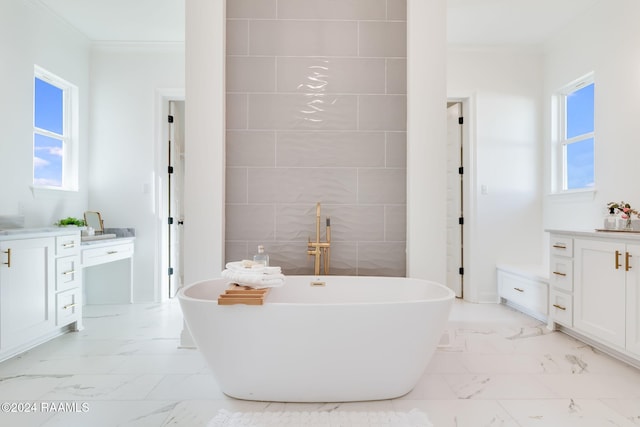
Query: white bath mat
[{"x": 413, "y": 418}]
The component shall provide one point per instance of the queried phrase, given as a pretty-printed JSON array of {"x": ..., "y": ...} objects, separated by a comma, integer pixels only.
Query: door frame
[
  {"x": 455, "y": 194},
  {"x": 161, "y": 147},
  {"x": 469, "y": 194}
]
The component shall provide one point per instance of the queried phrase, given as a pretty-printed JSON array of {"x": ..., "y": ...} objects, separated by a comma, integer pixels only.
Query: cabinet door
[
  {"x": 633, "y": 299},
  {"x": 26, "y": 290},
  {"x": 599, "y": 290}
]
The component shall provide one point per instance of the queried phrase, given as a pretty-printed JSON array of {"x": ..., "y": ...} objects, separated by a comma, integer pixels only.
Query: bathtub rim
[{"x": 450, "y": 293}]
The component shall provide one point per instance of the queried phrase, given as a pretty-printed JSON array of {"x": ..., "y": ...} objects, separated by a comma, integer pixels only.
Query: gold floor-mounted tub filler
[{"x": 320, "y": 250}]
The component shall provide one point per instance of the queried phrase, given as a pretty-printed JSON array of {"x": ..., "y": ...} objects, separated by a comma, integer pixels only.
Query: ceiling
[
  {"x": 123, "y": 20},
  {"x": 509, "y": 22},
  {"x": 469, "y": 22}
]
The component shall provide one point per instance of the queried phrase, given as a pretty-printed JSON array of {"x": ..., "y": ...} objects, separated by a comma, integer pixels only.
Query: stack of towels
[{"x": 253, "y": 274}]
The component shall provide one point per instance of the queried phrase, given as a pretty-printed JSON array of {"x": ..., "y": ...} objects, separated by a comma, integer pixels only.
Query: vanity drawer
[
  {"x": 104, "y": 254},
  {"x": 68, "y": 273},
  {"x": 561, "y": 273},
  {"x": 524, "y": 291},
  {"x": 68, "y": 245},
  {"x": 561, "y": 308},
  {"x": 68, "y": 306},
  {"x": 561, "y": 246}
]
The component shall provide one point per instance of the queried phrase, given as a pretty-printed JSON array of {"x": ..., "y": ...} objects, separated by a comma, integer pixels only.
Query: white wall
[
  {"x": 30, "y": 35},
  {"x": 426, "y": 140},
  {"x": 125, "y": 140},
  {"x": 604, "y": 41},
  {"x": 204, "y": 140},
  {"x": 502, "y": 89}
]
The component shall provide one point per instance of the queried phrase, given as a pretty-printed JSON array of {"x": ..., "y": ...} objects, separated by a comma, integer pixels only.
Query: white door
[
  {"x": 599, "y": 290},
  {"x": 175, "y": 182},
  {"x": 455, "y": 219}
]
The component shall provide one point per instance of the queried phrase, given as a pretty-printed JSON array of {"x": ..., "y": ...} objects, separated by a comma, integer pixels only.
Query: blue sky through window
[
  {"x": 47, "y": 150},
  {"x": 580, "y": 164},
  {"x": 580, "y": 111},
  {"x": 47, "y": 161},
  {"x": 580, "y": 155}
]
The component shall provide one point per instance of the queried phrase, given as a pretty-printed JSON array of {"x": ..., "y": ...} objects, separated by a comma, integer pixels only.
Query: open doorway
[
  {"x": 169, "y": 177},
  {"x": 455, "y": 197}
]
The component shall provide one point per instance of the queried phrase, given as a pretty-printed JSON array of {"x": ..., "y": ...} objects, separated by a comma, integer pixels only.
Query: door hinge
[
  {"x": 461, "y": 170},
  {"x": 461, "y": 220},
  {"x": 170, "y": 169},
  {"x": 460, "y": 120},
  {"x": 170, "y": 220},
  {"x": 461, "y": 271},
  {"x": 170, "y": 119},
  {"x": 170, "y": 271}
]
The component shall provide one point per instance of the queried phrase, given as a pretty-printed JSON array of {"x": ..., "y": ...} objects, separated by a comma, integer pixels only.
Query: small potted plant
[{"x": 64, "y": 222}]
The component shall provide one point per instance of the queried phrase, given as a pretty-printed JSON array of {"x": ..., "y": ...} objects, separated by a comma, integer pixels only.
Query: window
[
  {"x": 55, "y": 163},
  {"x": 576, "y": 139}
]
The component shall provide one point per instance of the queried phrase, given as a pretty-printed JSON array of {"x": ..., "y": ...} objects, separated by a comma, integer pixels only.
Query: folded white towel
[
  {"x": 255, "y": 275},
  {"x": 251, "y": 267},
  {"x": 254, "y": 280}
]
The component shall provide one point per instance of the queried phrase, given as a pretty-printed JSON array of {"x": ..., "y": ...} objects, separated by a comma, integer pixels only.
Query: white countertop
[
  {"x": 119, "y": 234},
  {"x": 608, "y": 234},
  {"x": 106, "y": 242},
  {"x": 32, "y": 233}
]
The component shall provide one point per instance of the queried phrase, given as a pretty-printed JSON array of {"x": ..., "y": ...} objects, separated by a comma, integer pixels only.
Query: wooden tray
[{"x": 236, "y": 294}]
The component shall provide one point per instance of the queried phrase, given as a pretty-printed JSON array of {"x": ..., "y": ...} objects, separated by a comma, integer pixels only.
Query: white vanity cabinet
[
  {"x": 599, "y": 300},
  {"x": 601, "y": 290},
  {"x": 26, "y": 290},
  {"x": 40, "y": 287}
]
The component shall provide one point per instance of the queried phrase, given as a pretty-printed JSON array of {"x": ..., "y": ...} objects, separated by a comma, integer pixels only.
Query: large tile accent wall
[{"x": 316, "y": 112}]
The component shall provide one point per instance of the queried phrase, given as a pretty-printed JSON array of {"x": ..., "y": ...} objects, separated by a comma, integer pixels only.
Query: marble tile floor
[{"x": 496, "y": 367}]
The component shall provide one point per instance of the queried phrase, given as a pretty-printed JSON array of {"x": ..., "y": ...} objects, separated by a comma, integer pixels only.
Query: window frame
[
  {"x": 561, "y": 184},
  {"x": 69, "y": 136}
]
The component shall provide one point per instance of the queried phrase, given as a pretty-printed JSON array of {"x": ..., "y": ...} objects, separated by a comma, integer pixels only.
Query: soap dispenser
[
  {"x": 610, "y": 220},
  {"x": 261, "y": 257}
]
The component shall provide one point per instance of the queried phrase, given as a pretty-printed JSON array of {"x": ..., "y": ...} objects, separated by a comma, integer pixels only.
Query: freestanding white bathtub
[{"x": 356, "y": 338}]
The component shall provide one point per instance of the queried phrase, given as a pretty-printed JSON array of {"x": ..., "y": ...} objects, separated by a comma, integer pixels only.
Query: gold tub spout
[{"x": 320, "y": 250}]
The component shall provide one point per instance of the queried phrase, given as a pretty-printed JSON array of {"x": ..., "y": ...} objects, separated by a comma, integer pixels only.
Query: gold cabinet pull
[
  {"x": 559, "y": 307},
  {"x": 69, "y": 272},
  {"x": 8, "y": 263},
  {"x": 69, "y": 306},
  {"x": 559, "y": 246},
  {"x": 559, "y": 274},
  {"x": 69, "y": 245},
  {"x": 627, "y": 264},
  {"x": 618, "y": 265},
  {"x": 519, "y": 290}
]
